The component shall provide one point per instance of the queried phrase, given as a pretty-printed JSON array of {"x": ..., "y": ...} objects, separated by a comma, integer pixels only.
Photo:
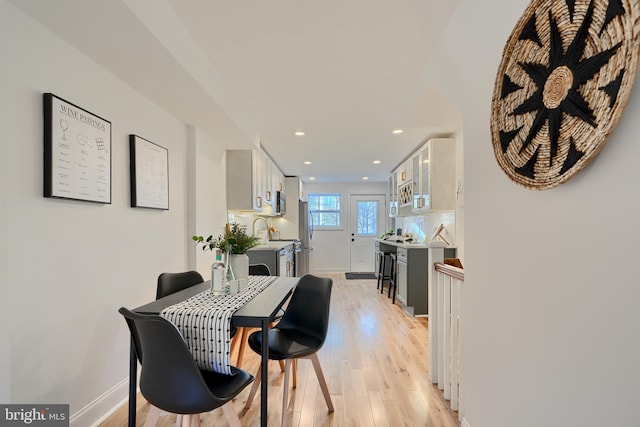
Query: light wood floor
[{"x": 375, "y": 362}]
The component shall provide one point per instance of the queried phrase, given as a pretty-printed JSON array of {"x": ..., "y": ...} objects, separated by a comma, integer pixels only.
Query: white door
[{"x": 366, "y": 224}]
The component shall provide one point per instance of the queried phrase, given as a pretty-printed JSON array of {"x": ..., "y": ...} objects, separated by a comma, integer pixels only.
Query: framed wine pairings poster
[
  {"x": 77, "y": 152},
  {"x": 149, "y": 174}
]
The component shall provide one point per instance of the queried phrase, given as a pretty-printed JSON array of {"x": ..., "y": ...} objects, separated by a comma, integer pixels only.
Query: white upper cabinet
[
  {"x": 294, "y": 190},
  {"x": 277, "y": 180},
  {"x": 252, "y": 181},
  {"x": 301, "y": 194},
  {"x": 393, "y": 195},
  {"x": 426, "y": 180},
  {"x": 434, "y": 176},
  {"x": 404, "y": 183},
  {"x": 257, "y": 179},
  {"x": 403, "y": 173},
  {"x": 268, "y": 193},
  {"x": 245, "y": 180},
  {"x": 416, "y": 184}
]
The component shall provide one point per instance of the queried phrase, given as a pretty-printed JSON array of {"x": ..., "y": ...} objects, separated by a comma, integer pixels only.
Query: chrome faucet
[{"x": 253, "y": 226}]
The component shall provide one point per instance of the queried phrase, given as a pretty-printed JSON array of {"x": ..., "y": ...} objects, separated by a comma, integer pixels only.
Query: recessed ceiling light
[
  {"x": 299, "y": 133},
  {"x": 365, "y": 177},
  {"x": 397, "y": 131},
  {"x": 376, "y": 162},
  {"x": 307, "y": 162},
  {"x": 312, "y": 178}
]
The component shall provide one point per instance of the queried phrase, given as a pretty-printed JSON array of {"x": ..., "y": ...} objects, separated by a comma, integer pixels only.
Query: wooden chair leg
[
  {"x": 230, "y": 414},
  {"x": 235, "y": 340},
  {"x": 321, "y": 380},
  {"x": 243, "y": 344},
  {"x": 285, "y": 392},
  {"x": 153, "y": 415},
  {"x": 186, "y": 420},
  {"x": 195, "y": 419},
  {"x": 254, "y": 388},
  {"x": 295, "y": 373}
]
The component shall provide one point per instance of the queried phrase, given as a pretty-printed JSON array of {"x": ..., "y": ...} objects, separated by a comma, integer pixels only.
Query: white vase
[{"x": 240, "y": 265}]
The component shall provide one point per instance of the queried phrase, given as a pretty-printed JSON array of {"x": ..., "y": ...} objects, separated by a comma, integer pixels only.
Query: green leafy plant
[
  {"x": 234, "y": 238},
  {"x": 388, "y": 233}
]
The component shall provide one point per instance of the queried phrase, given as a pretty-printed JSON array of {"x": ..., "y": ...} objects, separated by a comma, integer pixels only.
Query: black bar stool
[
  {"x": 393, "y": 276},
  {"x": 384, "y": 263}
]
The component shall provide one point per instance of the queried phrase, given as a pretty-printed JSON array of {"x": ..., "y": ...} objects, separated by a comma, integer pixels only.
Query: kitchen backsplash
[
  {"x": 422, "y": 226},
  {"x": 247, "y": 219}
]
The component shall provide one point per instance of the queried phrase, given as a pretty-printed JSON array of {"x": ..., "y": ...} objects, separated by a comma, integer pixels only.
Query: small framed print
[
  {"x": 77, "y": 152},
  {"x": 149, "y": 166}
]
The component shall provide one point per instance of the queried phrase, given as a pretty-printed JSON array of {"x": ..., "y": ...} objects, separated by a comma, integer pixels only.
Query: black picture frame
[
  {"x": 149, "y": 169},
  {"x": 77, "y": 152}
]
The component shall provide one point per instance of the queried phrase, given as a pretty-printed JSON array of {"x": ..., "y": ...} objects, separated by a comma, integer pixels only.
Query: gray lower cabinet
[
  {"x": 413, "y": 278},
  {"x": 280, "y": 261},
  {"x": 267, "y": 256}
]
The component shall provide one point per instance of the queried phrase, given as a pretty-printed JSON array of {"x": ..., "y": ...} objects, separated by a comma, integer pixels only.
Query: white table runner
[{"x": 204, "y": 320}]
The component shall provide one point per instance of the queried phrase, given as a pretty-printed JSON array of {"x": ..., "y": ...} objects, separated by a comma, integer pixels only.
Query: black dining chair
[
  {"x": 170, "y": 283},
  {"x": 300, "y": 334},
  {"x": 171, "y": 380},
  {"x": 259, "y": 270}
]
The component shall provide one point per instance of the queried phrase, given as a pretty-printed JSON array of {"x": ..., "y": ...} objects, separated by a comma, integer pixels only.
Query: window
[{"x": 325, "y": 210}]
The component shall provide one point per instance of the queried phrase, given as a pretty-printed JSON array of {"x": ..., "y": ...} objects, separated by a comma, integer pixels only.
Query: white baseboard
[
  {"x": 101, "y": 408},
  {"x": 464, "y": 423}
]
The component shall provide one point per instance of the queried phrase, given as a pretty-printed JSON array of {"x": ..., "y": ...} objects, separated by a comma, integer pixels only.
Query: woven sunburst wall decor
[{"x": 564, "y": 80}]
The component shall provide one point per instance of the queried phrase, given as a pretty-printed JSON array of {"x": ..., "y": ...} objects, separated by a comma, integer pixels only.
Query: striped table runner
[{"x": 204, "y": 320}]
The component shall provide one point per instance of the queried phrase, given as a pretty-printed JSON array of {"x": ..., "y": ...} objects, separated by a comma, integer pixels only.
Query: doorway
[{"x": 366, "y": 224}]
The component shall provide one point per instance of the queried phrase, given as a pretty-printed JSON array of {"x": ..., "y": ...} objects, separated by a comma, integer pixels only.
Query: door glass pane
[{"x": 367, "y": 218}]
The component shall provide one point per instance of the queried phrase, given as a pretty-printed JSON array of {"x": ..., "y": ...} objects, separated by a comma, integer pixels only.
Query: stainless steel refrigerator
[{"x": 305, "y": 234}]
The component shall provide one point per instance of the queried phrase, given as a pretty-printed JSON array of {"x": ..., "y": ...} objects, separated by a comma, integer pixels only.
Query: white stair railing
[{"x": 445, "y": 330}]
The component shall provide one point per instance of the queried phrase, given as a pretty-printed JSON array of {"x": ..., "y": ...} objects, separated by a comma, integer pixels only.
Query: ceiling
[{"x": 255, "y": 71}]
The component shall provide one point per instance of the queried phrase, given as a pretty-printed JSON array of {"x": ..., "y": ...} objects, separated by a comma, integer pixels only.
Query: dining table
[{"x": 258, "y": 312}]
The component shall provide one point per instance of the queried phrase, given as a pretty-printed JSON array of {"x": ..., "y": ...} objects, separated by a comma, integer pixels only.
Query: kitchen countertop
[
  {"x": 273, "y": 245},
  {"x": 409, "y": 245}
]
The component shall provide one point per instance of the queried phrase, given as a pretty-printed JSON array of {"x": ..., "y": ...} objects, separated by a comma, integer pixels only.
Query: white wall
[
  {"x": 67, "y": 266},
  {"x": 331, "y": 247},
  {"x": 4, "y": 248},
  {"x": 551, "y": 297},
  {"x": 207, "y": 195}
]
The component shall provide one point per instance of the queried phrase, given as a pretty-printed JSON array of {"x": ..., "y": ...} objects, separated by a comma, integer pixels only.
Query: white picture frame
[{"x": 149, "y": 167}]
